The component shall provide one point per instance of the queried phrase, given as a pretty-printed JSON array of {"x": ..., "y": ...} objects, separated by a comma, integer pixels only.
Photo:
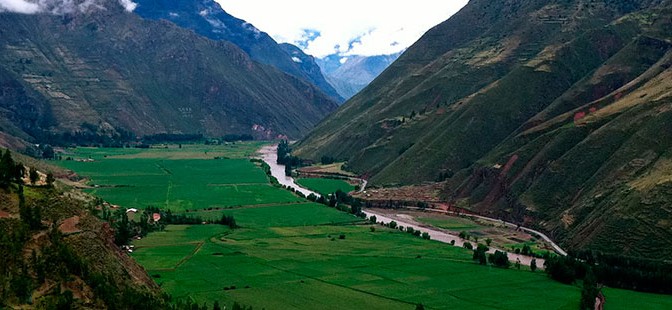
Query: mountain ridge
[
  {"x": 207, "y": 18},
  {"x": 525, "y": 109},
  {"x": 111, "y": 73}
]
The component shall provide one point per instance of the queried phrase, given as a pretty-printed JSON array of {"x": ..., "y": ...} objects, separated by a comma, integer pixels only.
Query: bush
[{"x": 499, "y": 259}]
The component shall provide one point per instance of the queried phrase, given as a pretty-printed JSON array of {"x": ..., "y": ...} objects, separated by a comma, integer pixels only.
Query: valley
[
  {"x": 161, "y": 154},
  {"x": 291, "y": 253}
]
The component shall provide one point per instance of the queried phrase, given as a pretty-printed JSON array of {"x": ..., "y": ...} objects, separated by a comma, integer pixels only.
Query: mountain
[
  {"x": 207, "y": 18},
  {"x": 554, "y": 114},
  {"x": 350, "y": 74},
  {"x": 68, "y": 260},
  {"x": 107, "y": 72}
]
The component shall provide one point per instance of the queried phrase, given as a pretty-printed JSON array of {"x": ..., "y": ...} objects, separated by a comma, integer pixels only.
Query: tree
[
  {"x": 215, "y": 306},
  {"x": 419, "y": 307},
  {"x": 6, "y": 169},
  {"x": 464, "y": 235},
  {"x": 50, "y": 179},
  {"x": 468, "y": 246},
  {"x": 526, "y": 250},
  {"x": 373, "y": 219},
  {"x": 392, "y": 225},
  {"x": 122, "y": 227},
  {"x": 533, "y": 265},
  {"x": 589, "y": 291},
  {"x": 488, "y": 241},
  {"x": 499, "y": 259},
  {"x": 425, "y": 236},
  {"x": 480, "y": 254},
  {"x": 47, "y": 151},
  {"x": 33, "y": 175}
]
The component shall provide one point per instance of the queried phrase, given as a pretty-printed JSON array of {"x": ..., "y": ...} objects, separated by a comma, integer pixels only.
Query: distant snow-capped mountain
[{"x": 350, "y": 74}]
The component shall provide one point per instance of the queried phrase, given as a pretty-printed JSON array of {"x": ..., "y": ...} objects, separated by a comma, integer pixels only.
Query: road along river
[{"x": 270, "y": 156}]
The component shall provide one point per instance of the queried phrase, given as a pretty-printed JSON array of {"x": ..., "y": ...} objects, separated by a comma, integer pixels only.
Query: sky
[{"x": 345, "y": 27}]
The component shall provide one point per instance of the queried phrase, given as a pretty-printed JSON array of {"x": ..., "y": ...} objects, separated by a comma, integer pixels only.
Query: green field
[
  {"x": 310, "y": 267},
  {"x": 325, "y": 186},
  {"x": 177, "y": 179},
  {"x": 288, "y": 252},
  {"x": 616, "y": 299}
]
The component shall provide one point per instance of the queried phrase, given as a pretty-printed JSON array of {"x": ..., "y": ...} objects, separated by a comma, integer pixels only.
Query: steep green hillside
[
  {"x": 551, "y": 113},
  {"x": 109, "y": 72},
  {"x": 207, "y": 18},
  {"x": 60, "y": 256}
]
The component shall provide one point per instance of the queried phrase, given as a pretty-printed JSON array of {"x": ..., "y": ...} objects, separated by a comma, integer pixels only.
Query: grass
[
  {"x": 616, "y": 299},
  {"x": 307, "y": 267},
  {"x": 288, "y": 252},
  {"x": 325, "y": 186},
  {"x": 170, "y": 151},
  {"x": 180, "y": 181}
]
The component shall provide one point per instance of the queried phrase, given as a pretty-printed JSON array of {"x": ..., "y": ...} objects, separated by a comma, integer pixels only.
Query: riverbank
[{"x": 269, "y": 155}]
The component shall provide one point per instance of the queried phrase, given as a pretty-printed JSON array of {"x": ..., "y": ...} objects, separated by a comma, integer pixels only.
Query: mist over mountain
[
  {"x": 106, "y": 72},
  {"x": 555, "y": 114},
  {"x": 207, "y": 18},
  {"x": 350, "y": 74}
]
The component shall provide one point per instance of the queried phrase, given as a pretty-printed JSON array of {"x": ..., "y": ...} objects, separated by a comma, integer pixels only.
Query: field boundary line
[
  {"x": 188, "y": 257},
  {"x": 265, "y": 262}
]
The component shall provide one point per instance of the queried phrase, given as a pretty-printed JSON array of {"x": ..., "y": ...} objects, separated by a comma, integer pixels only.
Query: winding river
[{"x": 269, "y": 155}]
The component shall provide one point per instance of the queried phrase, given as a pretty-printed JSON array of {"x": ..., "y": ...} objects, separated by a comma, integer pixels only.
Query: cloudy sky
[{"x": 346, "y": 27}]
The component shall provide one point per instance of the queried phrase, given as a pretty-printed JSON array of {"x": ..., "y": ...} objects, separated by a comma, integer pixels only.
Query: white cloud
[
  {"x": 58, "y": 7},
  {"x": 128, "y": 5},
  {"x": 378, "y": 27}
]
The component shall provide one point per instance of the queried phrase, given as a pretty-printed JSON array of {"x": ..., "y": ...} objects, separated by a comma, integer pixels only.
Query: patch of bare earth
[
  {"x": 4, "y": 215},
  {"x": 426, "y": 193},
  {"x": 69, "y": 225}
]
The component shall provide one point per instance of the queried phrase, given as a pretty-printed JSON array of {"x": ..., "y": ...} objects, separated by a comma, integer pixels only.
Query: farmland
[
  {"x": 290, "y": 253},
  {"x": 325, "y": 186},
  {"x": 310, "y": 266},
  {"x": 176, "y": 179}
]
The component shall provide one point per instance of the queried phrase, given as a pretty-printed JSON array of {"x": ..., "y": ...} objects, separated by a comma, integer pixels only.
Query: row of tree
[
  {"x": 13, "y": 172},
  {"x": 285, "y": 157},
  {"x": 616, "y": 271}
]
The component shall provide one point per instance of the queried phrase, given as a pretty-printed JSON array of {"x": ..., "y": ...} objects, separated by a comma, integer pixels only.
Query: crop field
[
  {"x": 309, "y": 267},
  {"x": 325, "y": 186},
  {"x": 625, "y": 300},
  {"x": 289, "y": 253},
  {"x": 137, "y": 178}
]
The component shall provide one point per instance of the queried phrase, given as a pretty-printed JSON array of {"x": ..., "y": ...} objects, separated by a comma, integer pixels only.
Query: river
[{"x": 270, "y": 156}]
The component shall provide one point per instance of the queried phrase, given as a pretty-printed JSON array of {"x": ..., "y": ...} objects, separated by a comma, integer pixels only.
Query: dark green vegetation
[
  {"x": 325, "y": 186},
  {"x": 208, "y": 19},
  {"x": 551, "y": 113},
  {"x": 83, "y": 76},
  {"x": 613, "y": 271}
]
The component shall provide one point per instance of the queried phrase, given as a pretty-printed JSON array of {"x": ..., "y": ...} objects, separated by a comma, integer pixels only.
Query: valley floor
[{"x": 290, "y": 253}]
